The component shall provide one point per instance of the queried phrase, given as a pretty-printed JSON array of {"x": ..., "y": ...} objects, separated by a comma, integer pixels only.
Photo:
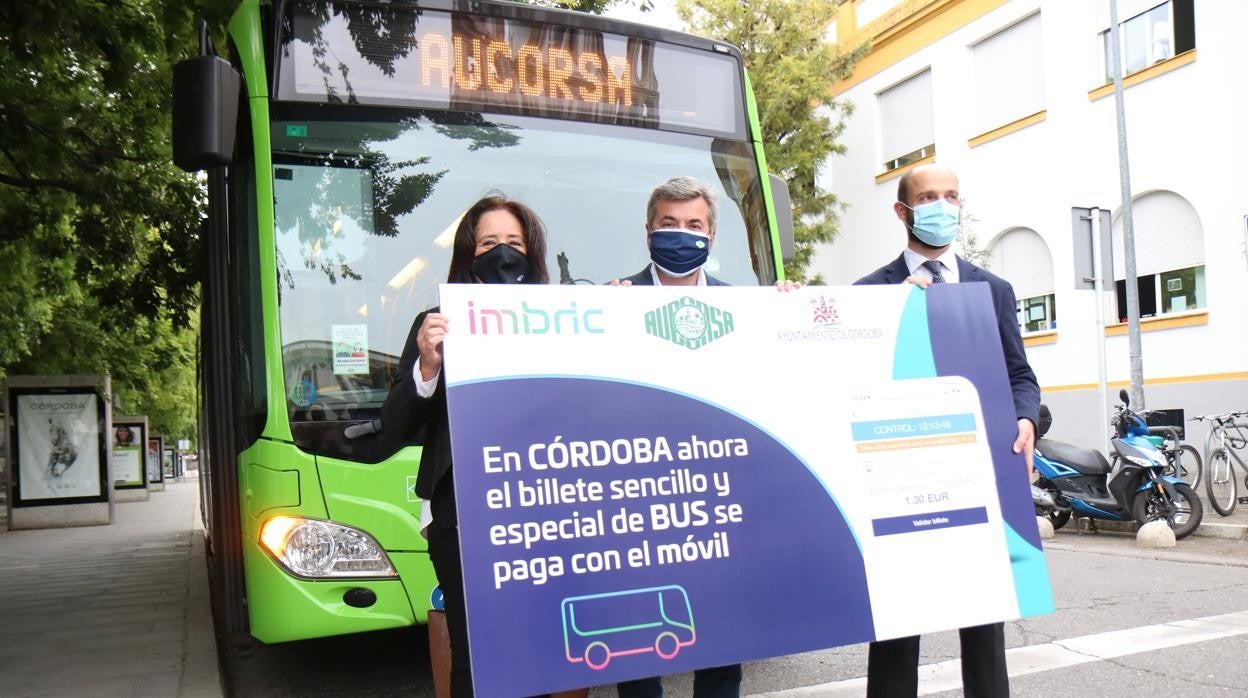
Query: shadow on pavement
[{"x": 383, "y": 663}]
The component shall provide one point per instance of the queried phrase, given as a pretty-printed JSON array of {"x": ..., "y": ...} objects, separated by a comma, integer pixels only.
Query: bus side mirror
[
  {"x": 205, "y": 111},
  {"x": 784, "y": 216}
]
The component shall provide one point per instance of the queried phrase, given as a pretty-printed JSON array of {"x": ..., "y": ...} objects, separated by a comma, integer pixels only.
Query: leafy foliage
[
  {"x": 101, "y": 232},
  {"x": 595, "y": 6},
  {"x": 791, "y": 68}
]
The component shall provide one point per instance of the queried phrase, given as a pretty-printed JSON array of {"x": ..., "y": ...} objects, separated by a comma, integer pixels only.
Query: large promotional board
[
  {"x": 60, "y": 455},
  {"x": 652, "y": 480}
]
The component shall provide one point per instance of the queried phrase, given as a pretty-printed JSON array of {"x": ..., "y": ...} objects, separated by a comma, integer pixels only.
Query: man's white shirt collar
[
  {"x": 948, "y": 265},
  {"x": 654, "y": 275}
]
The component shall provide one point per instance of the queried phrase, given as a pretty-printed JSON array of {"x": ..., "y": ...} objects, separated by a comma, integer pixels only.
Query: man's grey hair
[{"x": 684, "y": 189}]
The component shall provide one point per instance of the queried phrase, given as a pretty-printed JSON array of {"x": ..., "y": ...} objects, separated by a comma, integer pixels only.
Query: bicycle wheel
[
  {"x": 1186, "y": 463},
  {"x": 1220, "y": 483}
]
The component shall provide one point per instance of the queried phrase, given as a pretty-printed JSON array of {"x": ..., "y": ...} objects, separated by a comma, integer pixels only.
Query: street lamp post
[{"x": 1128, "y": 228}]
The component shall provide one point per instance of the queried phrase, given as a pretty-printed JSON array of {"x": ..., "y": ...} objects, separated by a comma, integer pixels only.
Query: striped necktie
[{"x": 934, "y": 267}]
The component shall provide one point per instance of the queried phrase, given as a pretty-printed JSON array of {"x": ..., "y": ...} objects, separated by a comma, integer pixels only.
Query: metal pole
[
  {"x": 1098, "y": 285},
  {"x": 1128, "y": 227}
]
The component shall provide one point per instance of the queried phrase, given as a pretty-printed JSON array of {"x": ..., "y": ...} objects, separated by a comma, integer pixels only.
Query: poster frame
[
  {"x": 172, "y": 452},
  {"x": 160, "y": 460},
  {"x": 132, "y": 422},
  {"x": 14, "y": 466}
]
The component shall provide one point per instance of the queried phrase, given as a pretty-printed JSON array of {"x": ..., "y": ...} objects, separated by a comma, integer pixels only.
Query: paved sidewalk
[
  {"x": 103, "y": 611},
  {"x": 1212, "y": 524}
]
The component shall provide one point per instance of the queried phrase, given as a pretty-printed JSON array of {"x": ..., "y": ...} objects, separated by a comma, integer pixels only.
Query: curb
[{"x": 1206, "y": 529}]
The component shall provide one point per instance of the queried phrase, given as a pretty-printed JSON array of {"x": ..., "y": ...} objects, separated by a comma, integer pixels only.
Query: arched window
[
  {"x": 1169, "y": 256},
  {"x": 1021, "y": 257}
]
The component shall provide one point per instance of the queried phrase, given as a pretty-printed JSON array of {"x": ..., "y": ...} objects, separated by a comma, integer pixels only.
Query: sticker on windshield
[{"x": 350, "y": 349}]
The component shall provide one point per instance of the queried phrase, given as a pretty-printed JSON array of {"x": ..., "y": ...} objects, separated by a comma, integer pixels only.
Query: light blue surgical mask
[{"x": 936, "y": 222}]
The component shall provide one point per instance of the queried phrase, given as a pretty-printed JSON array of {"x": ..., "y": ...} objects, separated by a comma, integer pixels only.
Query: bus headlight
[{"x": 323, "y": 549}]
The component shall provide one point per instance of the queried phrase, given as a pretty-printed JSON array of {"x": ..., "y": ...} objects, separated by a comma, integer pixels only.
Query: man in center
[{"x": 680, "y": 230}]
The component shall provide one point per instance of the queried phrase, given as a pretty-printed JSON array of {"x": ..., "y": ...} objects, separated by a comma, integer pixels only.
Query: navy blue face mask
[
  {"x": 679, "y": 252},
  {"x": 501, "y": 264}
]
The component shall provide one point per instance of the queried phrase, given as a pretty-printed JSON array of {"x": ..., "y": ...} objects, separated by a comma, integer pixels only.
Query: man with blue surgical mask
[
  {"x": 929, "y": 205},
  {"x": 680, "y": 230}
]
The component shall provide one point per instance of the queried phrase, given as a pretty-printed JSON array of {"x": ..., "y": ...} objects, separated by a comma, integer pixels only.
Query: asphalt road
[{"x": 1101, "y": 582}]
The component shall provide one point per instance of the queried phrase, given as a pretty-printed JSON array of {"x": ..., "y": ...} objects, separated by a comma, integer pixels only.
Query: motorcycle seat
[{"x": 1085, "y": 460}]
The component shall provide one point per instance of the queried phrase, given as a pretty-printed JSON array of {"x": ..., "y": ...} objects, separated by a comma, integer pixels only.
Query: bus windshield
[{"x": 366, "y": 210}]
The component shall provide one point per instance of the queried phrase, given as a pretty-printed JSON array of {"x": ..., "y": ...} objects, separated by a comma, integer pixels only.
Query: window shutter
[
  {"x": 1021, "y": 257},
  {"x": 1009, "y": 74},
  {"x": 906, "y": 116},
  {"x": 1168, "y": 235}
]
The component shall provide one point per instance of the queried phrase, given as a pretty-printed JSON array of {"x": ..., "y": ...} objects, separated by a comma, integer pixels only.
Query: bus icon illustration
[{"x": 599, "y": 627}]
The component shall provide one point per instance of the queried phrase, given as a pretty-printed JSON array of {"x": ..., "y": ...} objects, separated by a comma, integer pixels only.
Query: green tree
[
  {"x": 100, "y": 234},
  {"x": 595, "y": 6},
  {"x": 792, "y": 69}
]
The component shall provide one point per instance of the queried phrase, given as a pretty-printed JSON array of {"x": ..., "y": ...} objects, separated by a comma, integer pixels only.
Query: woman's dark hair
[{"x": 465, "y": 247}]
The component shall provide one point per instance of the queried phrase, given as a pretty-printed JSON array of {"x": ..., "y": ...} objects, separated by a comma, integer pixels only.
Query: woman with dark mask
[{"x": 498, "y": 241}]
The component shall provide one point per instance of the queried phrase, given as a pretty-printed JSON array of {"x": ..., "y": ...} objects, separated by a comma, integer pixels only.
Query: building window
[
  {"x": 906, "y": 122},
  {"x": 1038, "y": 313},
  {"x": 1009, "y": 74},
  {"x": 1152, "y": 36},
  {"x": 1175, "y": 291},
  {"x": 1169, "y": 256},
  {"x": 1022, "y": 257}
]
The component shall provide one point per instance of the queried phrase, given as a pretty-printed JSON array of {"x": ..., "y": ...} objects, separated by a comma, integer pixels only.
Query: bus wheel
[
  {"x": 597, "y": 655},
  {"x": 666, "y": 645}
]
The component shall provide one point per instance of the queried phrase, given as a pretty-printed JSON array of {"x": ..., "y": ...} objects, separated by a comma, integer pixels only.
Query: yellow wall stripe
[
  {"x": 1154, "y": 324},
  {"x": 1148, "y": 73},
  {"x": 1168, "y": 380},
  {"x": 892, "y": 174},
  {"x": 903, "y": 31},
  {"x": 1009, "y": 128},
  {"x": 1036, "y": 340}
]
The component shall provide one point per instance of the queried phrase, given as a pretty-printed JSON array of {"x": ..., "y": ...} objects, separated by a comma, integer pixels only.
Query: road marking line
[{"x": 1032, "y": 659}]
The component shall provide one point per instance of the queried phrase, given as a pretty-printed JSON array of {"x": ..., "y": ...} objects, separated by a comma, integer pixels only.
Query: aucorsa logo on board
[{"x": 688, "y": 323}]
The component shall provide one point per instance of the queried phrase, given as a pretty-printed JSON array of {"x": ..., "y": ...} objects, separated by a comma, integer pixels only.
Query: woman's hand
[{"x": 429, "y": 344}]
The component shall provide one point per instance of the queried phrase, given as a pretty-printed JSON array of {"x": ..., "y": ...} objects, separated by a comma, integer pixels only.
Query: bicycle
[
  {"x": 1184, "y": 461},
  {"x": 1229, "y": 435}
]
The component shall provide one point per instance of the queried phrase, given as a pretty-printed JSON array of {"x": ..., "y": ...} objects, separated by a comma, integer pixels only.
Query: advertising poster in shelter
[
  {"x": 155, "y": 445},
  {"x": 58, "y": 446},
  {"x": 129, "y": 449}
]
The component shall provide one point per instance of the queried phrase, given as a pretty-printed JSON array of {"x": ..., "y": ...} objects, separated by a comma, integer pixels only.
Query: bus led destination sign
[
  {"x": 367, "y": 54},
  {"x": 535, "y": 71}
]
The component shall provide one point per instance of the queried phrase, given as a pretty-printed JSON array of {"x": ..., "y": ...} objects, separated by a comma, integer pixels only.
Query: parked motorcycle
[{"x": 1080, "y": 481}]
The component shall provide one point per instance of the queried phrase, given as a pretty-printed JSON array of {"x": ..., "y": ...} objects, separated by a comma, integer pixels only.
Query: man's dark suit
[
  {"x": 1022, "y": 380},
  {"x": 714, "y": 682},
  {"x": 892, "y": 665}
]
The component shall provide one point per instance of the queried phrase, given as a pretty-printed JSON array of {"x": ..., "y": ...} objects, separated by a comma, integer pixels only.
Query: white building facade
[{"x": 1013, "y": 95}]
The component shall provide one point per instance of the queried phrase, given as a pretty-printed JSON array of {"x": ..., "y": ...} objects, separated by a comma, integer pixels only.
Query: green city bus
[{"x": 341, "y": 141}]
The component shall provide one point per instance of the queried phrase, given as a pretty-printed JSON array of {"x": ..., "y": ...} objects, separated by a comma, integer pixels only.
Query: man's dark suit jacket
[
  {"x": 1022, "y": 379},
  {"x": 405, "y": 413},
  {"x": 645, "y": 278}
]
